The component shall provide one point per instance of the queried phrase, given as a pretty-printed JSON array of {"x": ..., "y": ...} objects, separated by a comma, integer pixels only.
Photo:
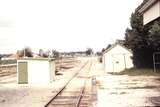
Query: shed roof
[
  {"x": 114, "y": 45},
  {"x": 42, "y": 59}
]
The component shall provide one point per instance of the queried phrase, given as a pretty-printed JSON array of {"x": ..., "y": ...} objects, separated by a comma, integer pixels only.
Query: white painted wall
[
  {"x": 117, "y": 59},
  {"x": 40, "y": 71},
  {"x": 152, "y": 13}
]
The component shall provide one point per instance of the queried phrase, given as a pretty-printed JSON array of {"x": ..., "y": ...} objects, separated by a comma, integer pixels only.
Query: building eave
[{"x": 147, "y": 5}]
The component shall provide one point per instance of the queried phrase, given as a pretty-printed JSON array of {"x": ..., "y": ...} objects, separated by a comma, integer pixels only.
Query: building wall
[
  {"x": 38, "y": 71},
  {"x": 117, "y": 59},
  {"x": 152, "y": 13}
]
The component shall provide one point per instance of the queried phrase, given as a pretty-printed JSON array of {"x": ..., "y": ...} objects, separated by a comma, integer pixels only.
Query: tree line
[{"x": 27, "y": 52}]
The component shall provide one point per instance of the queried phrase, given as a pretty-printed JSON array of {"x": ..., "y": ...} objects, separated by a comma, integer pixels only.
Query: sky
[{"x": 64, "y": 25}]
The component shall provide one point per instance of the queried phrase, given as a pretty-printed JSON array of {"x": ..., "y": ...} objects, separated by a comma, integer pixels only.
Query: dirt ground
[{"x": 128, "y": 91}]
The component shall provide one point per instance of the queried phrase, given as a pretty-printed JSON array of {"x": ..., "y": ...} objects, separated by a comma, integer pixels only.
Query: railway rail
[{"x": 75, "y": 92}]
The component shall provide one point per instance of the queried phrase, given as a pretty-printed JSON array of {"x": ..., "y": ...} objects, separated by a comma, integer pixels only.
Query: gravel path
[{"x": 127, "y": 91}]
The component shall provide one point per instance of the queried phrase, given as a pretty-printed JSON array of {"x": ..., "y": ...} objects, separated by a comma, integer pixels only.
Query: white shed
[
  {"x": 117, "y": 58},
  {"x": 35, "y": 71}
]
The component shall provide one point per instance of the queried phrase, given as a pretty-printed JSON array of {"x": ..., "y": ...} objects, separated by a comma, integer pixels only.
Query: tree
[
  {"x": 41, "y": 52},
  {"x": 109, "y": 45},
  {"x": 103, "y": 49},
  {"x": 89, "y": 51},
  {"x": 99, "y": 53},
  {"x": 137, "y": 39},
  {"x": 0, "y": 56},
  {"x": 154, "y": 36},
  {"x": 46, "y": 54},
  {"x": 55, "y": 54},
  {"x": 26, "y": 52}
]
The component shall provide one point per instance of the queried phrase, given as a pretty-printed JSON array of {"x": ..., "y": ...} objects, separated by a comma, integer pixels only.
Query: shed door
[
  {"x": 22, "y": 73},
  {"x": 118, "y": 62},
  {"x": 51, "y": 71}
]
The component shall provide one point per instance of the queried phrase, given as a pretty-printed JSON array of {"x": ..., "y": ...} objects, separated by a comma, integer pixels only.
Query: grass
[
  {"x": 138, "y": 72},
  {"x": 145, "y": 87},
  {"x": 4, "y": 62}
]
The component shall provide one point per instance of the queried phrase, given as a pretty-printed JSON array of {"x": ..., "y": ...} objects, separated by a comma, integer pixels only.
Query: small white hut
[
  {"x": 35, "y": 71},
  {"x": 117, "y": 58}
]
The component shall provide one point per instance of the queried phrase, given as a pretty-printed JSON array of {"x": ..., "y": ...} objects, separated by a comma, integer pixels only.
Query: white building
[
  {"x": 150, "y": 11},
  {"x": 117, "y": 58},
  {"x": 35, "y": 71}
]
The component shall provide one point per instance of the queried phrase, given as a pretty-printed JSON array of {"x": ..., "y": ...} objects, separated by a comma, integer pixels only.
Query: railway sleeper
[
  {"x": 63, "y": 103},
  {"x": 66, "y": 97}
]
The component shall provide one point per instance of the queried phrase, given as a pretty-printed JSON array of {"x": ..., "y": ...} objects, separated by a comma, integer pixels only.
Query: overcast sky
[{"x": 64, "y": 25}]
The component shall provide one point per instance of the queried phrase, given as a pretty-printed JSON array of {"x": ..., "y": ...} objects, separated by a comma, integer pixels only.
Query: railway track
[
  {"x": 75, "y": 92},
  {"x": 6, "y": 70}
]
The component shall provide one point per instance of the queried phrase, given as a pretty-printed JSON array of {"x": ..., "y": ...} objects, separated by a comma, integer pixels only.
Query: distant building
[
  {"x": 117, "y": 58},
  {"x": 150, "y": 11},
  {"x": 36, "y": 55}
]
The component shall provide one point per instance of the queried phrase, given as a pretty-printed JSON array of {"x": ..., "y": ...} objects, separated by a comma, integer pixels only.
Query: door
[
  {"x": 118, "y": 62},
  {"x": 22, "y": 73}
]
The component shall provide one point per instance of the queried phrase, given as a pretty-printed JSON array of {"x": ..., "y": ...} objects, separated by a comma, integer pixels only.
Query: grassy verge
[
  {"x": 4, "y": 62},
  {"x": 138, "y": 72}
]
